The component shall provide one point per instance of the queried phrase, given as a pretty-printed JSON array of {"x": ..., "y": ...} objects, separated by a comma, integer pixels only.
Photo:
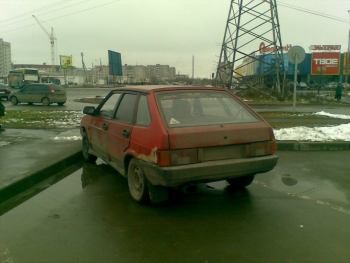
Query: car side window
[
  {"x": 143, "y": 115},
  {"x": 109, "y": 106},
  {"x": 125, "y": 112},
  {"x": 26, "y": 89}
]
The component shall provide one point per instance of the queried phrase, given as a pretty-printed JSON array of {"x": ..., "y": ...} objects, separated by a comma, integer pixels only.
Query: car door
[
  {"x": 99, "y": 126},
  {"x": 24, "y": 94},
  {"x": 120, "y": 129},
  {"x": 35, "y": 94}
]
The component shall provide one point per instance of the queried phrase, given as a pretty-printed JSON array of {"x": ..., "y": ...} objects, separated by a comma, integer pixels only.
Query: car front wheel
[
  {"x": 241, "y": 182},
  {"x": 85, "y": 150},
  {"x": 137, "y": 182}
]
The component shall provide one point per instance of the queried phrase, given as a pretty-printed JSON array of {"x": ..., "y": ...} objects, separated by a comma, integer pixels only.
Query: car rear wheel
[
  {"x": 241, "y": 182},
  {"x": 60, "y": 103},
  {"x": 85, "y": 150},
  {"x": 14, "y": 100},
  {"x": 137, "y": 182},
  {"x": 45, "y": 101}
]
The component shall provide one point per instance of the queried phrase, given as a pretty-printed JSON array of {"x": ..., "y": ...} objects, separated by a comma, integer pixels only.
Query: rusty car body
[{"x": 160, "y": 137}]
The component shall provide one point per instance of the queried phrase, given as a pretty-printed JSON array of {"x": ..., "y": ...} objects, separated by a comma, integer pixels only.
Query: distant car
[
  {"x": 300, "y": 85},
  {"x": 303, "y": 85},
  {"x": 4, "y": 91},
  {"x": 331, "y": 85},
  {"x": 171, "y": 136},
  {"x": 44, "y": 93}
]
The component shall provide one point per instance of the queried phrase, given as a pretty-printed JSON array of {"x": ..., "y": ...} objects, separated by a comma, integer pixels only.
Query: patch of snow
[
  {"x": 317, "y": 134},
  {"x": 337, "y": 116},
  {"x": 67, "y": 138},
  {"x": 2, "y": 143}
]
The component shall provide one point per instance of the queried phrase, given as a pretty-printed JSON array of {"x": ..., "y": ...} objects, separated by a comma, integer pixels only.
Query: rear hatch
[
  {"x": 205, "y": 125},
  {"x": 57, "y": 90}
]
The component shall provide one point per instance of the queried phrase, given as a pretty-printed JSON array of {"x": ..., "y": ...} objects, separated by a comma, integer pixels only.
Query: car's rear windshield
[{"x": 197, "y": 108}]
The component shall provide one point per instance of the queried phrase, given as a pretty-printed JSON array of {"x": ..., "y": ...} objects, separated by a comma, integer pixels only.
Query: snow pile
[
  {"x": 67, "y": 138},
  {"x": 2, "y": 143},
  {"x": 317, "y": 134},
  {"x": 337, "y": 116}
]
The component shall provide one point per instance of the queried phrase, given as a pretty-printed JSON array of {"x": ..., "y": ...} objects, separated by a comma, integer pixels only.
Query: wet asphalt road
[
  {"x": 78, "y": 93},
  {"x": 71, "y": 104},
  {"x": 299, "y": 212}
]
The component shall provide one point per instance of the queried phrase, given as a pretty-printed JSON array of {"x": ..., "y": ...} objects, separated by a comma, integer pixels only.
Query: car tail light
[
  {"x": 52, "y": 90},
  {"x": 163, "y": 158},
  {"x": 177, "y": 157},
  {"x": 273, "y": 147},
  {"x": 262, "y": 148}
]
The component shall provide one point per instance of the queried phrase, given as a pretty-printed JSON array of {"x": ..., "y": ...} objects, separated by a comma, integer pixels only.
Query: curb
[
  {"x": 312, "y": 146},
  {"x": 23, "y": 184}
]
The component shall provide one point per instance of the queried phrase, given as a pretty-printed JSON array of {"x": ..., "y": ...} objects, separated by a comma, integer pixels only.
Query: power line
[
  {"x": 29, "y": 12},
  {"x": 65, "y": 15},
  {"x": 42, "y": 13},
  {"x": 313, "y": 12}
]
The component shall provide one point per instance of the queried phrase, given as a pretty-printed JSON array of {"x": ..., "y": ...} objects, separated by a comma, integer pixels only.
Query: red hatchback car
[{"x": 160, "y": 137}]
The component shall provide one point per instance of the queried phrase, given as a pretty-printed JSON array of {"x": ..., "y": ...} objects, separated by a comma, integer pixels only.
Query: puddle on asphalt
[{"x": 323, "y": 192}]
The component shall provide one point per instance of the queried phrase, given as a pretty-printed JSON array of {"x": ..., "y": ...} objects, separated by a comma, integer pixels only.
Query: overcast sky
[{"x": 151, "y": 31}]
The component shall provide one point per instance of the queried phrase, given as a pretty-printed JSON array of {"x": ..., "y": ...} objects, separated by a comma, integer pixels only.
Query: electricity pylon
[{"x": 252, "y": 32}]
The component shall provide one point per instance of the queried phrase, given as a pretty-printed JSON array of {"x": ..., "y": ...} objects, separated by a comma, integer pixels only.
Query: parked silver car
[{"x": 44, "y": 93}]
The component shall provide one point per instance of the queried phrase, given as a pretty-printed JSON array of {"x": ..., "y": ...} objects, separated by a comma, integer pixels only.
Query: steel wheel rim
[{"x": 136, "y": 182}]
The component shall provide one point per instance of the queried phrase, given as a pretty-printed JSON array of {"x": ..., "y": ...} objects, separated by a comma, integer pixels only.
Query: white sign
[{"x": 325, "y": 47}]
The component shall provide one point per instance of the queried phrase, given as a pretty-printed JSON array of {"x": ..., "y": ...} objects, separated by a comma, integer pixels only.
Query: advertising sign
[
  {"x": 325, "y": 48},
  {"x": 66, "y": 61},
  {"x": 263, "y": 49},
  {"x": 115, "y": 63},
  {"x": 325, "y": 63},
  {"x": 346, "y": 63}
]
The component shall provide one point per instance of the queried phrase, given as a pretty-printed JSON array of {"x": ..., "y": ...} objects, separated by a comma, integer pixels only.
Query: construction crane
[{"x": 51, "y": 37}]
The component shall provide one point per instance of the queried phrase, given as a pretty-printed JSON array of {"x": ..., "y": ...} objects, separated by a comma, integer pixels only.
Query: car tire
[
  {"x": 14, "y": 100},
  {"x": 137, "y": 182},
  {"x": 60, "y": 103},
  {"x": 30, "y": 103},
  {"x": 85, "y": 150},
  {"x": 45, "y": 101},
  {"x": 241, "y": 182}
]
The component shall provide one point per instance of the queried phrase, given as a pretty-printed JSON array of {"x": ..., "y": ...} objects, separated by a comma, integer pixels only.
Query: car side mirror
[{"x": 89, "y": 110}]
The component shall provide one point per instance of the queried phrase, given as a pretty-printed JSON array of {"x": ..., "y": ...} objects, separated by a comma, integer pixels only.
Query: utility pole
[
  {"x": 252, "y": 28},
  {"x": 348, "y": 54},
  {"x": 51, "y": 37},
  {"x": 84, "y": 67},
  {"x": 192, "y": 68},
  {"x": 349, "y": 33}
]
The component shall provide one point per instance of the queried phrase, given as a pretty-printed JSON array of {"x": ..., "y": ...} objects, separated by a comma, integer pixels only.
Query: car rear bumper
[
  {"x": 208, "y": 171},
  {"x": 58, "y": 98}
]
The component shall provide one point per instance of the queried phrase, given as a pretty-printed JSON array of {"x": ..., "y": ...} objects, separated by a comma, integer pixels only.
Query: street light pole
[{"x": 295, "y": 82}]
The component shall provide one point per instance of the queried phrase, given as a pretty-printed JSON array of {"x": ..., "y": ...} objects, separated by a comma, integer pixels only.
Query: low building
[
  {"x": 5, "y": 58},
  {"x": 148, "y": 74}
]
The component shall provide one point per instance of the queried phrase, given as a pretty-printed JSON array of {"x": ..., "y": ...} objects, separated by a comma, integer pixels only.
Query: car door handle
[
  {"x": 126, "y": 133},
  {"x": 105, "y": 126}
]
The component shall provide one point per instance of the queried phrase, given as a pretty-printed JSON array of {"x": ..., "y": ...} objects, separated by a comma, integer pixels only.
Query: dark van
[{"x": 45, "y": 93}]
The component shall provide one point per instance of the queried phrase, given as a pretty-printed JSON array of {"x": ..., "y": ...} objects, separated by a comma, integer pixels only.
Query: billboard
[
  {"x": 115, "y": 63},
  {"x": 66, "y": 61},
  {"x": 325, "y": 63},
  {"x": 346, "y": 64},
  {"x": 325, "y": 48}
]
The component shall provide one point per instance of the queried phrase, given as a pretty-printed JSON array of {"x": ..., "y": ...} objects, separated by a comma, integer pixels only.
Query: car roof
[{"x": 157, "y": 88}]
